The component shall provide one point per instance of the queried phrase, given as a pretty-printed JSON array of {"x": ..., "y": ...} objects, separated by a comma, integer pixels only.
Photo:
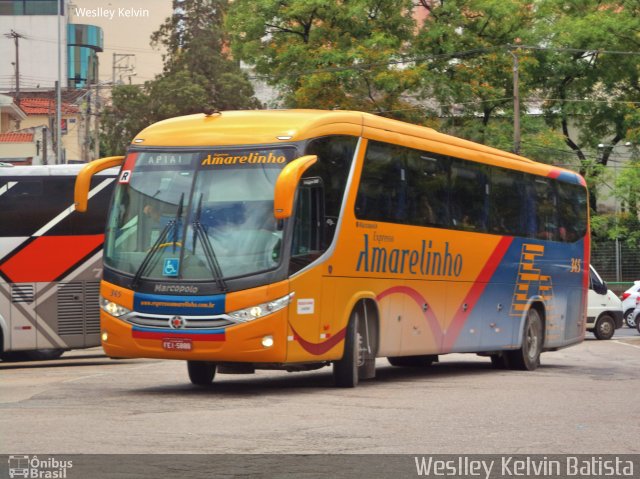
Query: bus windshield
[{"x": 196, "y": 215}]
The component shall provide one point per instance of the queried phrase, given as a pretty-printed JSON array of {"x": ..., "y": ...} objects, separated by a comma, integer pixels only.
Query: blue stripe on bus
[
  {"x": 568, "y": 177},
  {"x": 181, "y": 305}
]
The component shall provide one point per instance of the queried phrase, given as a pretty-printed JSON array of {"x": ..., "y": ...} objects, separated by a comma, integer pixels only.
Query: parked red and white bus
[{"x": 50, "y": 261}]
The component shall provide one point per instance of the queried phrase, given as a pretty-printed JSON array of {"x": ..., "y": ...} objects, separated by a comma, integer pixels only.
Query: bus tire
[
  {"x": 201, "y": 373},
  {"x": 36, "y": 355},
  {"x": 345, "y": 370},
  {"x": 605, "y": 327},
  {"x": 45, "y": 354},
  {"x": 419, "y": 361},
  {"x": 527, "y": 358},
  {"x": 369, "y": 340}
]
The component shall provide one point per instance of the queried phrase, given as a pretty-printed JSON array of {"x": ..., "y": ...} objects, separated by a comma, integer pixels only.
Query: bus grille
[
  {"x": 22, "y": 293},
  {"x": 78, "y": 309},
  {"x": 92, "y": 307},
  {"x": 70, "y": 309},
  {"x": 162, "y": 321}
]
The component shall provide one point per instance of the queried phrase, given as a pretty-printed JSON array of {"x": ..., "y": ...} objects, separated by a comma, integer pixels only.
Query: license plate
[{"x": 177, "y": 344}]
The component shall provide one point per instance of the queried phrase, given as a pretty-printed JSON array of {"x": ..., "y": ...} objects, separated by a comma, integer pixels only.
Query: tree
[
  {"x": 469, "y": 64},
  {"x": 196, "y": 43},
  {"x": 327, "y": 53},
  {"x": 592, "y": 91},
  {"x": 126, "y": 116},
  {"x": 198, "y": 73}
]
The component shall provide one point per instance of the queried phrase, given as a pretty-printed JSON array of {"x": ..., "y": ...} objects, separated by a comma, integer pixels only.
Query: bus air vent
[
  {"x": 70, "y": 309},
  {"x": 22, "y": 293},
  {"x": 92, "y": 307}
]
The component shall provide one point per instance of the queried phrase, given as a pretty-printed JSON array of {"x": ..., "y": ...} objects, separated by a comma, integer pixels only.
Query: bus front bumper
[{"x": 261, "y": 341}]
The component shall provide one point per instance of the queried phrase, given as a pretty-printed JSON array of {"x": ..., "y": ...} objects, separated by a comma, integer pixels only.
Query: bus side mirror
[
  {"x": 286, "y": 184},
  {"x": 83, "y": 181}
]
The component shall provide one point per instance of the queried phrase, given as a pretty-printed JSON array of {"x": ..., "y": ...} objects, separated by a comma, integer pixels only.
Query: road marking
[{"x": 626, "y": 344}]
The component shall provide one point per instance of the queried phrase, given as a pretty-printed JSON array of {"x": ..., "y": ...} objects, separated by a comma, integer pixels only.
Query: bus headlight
[
  {"x": 261, "y": 310},
  {"x": 112, "y": 308}
]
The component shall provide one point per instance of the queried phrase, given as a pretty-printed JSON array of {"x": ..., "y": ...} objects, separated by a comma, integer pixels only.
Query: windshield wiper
[
  {"x": 170, "y": 227},
  {"x": 207, "y": 248}
]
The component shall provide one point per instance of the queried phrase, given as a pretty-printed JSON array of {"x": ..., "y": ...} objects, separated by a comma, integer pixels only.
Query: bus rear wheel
[
  {"x": 201, "y": 373},
  {"x": 527, "y": 358}
]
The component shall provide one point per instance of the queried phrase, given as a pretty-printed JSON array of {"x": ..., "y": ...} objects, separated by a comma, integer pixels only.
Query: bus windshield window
[
  {"x": 196, "y": 215},
  {"x": 233, "y": 207}
]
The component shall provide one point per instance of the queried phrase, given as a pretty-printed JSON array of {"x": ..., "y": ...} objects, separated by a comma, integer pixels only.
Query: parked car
[
  {"x": 604, "y": 309},
  {"x": 629, "y": 298},
  {"x": 636, "y": 314}
]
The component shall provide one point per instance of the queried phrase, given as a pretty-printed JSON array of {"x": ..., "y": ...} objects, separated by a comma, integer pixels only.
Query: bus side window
[
  {"x": 469, "y": 196},
  {"x": 572, "y": 218},
  {"x": 383, "y": 193},
  {"x": 378, "y": 182},
  {"x": 24, "y": 191},
  {"x": 429, "y": 188},
  {"x": 546, "y": 209},
  {"x": 507, "y": 203},
  {"x": 335, "y": 155}
]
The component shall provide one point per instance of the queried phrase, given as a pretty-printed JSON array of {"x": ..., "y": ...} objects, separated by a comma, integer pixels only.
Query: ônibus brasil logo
[{"x": 35, "y": 468}]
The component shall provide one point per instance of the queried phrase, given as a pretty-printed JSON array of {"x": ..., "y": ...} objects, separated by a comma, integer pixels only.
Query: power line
[{"x": 572, "y": 50}]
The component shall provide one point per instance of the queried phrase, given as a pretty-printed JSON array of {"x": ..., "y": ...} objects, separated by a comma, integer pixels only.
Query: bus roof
[{"x": 252, "y": 127}]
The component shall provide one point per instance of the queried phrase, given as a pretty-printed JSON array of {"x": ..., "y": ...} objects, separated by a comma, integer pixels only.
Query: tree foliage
[
  {"x": 588, "y": 73},
  {"x": 449, "y": 65},
  {"x": 329, "y": 54},
  {"x": 469, "y": 65},
  {"x": 198, "y": 73}
]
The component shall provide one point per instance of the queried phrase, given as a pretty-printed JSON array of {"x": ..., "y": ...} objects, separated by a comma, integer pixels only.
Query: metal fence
[{"x": 617, "y": 263}]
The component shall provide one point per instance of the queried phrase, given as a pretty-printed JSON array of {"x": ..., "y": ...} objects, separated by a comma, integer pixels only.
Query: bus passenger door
[{"x": 304, "y": 334}]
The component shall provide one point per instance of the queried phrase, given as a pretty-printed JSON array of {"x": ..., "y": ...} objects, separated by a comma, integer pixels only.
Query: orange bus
[{"x": 298, "y": 239}]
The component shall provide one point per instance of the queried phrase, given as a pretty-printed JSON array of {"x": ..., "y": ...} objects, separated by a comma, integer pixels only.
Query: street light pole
[{"x": 516, "y": 103}]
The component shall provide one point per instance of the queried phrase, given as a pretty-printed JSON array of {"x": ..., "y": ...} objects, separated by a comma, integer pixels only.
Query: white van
[{"x": 604, "y": 310}]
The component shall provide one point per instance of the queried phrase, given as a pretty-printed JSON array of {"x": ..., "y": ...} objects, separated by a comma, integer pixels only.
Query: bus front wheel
[
  {"x": 201, "y": 373},
  {"x": 360, "y": 347},
  {"x": 527, "y": 358},
  {"x": 345, "y": 370}
]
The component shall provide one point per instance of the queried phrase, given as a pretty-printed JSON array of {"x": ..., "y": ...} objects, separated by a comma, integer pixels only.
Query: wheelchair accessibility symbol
[{"x": 171, "y": 267}]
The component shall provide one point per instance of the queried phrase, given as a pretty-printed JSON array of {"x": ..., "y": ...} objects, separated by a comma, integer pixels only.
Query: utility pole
[
  {"x": 121, "y": 63},
  {"x": 59, "y": 88},
  {"x": 516, "y": 104},
  {"x": 16, "y": 37},
  {"x": 44, "y": 146},
  {"x": 86, "y": 144},
  {"x": 96, "y": 122}
]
